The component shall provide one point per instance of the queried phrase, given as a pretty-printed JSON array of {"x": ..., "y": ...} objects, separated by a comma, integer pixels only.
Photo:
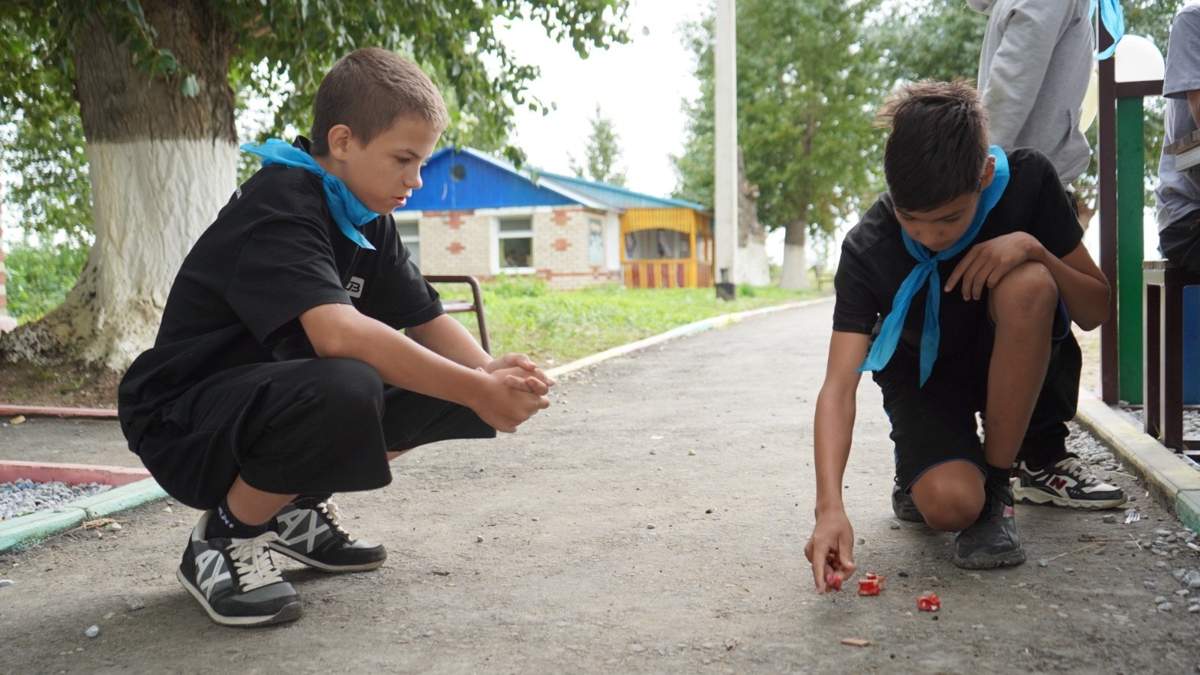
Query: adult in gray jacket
[
  {"x": 1034, "y": 67},
  {"x": 1178, "y": 192}
]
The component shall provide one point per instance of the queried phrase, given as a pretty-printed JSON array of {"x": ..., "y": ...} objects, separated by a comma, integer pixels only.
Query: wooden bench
[
  {"x": 1162, "y": 376},
  {"x": 475, "y": 305}
]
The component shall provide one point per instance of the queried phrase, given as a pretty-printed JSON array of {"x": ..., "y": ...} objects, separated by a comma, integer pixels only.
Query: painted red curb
[
  {"x": 52, "y": 411},
  {"x": 71, "y": 474}
]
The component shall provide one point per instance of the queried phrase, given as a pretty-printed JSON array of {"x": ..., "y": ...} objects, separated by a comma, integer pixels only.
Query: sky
[{"x": 641, "y": 86}]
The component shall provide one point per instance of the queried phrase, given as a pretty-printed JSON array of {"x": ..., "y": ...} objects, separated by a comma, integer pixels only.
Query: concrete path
[{"x": 652, "y": 521}]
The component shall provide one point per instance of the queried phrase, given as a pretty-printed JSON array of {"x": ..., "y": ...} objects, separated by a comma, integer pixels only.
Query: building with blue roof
[{"x": 480, "y": 215}]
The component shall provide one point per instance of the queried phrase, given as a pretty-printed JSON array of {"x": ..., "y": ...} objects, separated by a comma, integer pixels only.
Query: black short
[
  {"x": 936, "y": 423},
  {"x": 293, "y": 427}
]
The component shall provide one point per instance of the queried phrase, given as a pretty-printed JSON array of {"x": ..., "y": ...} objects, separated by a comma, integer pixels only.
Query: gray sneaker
[
  {"x": 903, "y": 505},
  {"x": 992, "y": 540},
  {"x": 235, "y": 580}
]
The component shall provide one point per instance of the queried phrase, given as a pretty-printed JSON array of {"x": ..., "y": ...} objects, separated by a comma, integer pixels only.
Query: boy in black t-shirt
[
  {"x": 974, "y": 262},
  {"x": 281, "y": 374}
]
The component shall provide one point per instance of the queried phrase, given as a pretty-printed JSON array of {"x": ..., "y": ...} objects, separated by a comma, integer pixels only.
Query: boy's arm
[
  {"x": 831, "y": 547},
  {"x": 338, "y": 330},
  {"x": 1081, "y": 284},
  {"x": 449, "y": 338}
]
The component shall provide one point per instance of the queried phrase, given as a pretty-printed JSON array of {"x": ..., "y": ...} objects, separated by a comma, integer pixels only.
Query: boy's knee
[
  {"x": 1027, "y": 291},
  {"x": 347, "y": 386},
  {"x": 949, "y": 506}
]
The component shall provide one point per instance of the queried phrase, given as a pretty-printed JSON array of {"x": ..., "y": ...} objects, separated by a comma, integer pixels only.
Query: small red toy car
[
  {"x": 833, "y": 580},
  {"x": 870, "y": 584},
  {"x": 929, "y": 602}
]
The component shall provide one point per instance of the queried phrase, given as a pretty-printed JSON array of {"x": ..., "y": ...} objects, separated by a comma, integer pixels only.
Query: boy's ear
[
  {"x": 338, "y": 139},
  {"x": 989, "y": 173}
]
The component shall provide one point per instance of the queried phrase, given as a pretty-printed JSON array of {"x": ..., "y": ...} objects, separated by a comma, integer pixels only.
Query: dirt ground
[
  {"x": 71, "y": 385},
  {"x": 652, "y": 521}
]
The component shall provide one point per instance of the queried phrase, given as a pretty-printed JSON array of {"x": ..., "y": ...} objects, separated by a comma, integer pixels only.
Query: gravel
[
  {"x": 23, "y": 496},
  {"x": 1191, "y": 419}
]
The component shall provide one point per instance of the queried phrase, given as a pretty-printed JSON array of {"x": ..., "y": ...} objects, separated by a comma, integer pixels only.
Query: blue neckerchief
[
  {"x": 349, "y": 213},
  {"x": 1113, "y": 18},
  {"x": 926, "y": 272}
]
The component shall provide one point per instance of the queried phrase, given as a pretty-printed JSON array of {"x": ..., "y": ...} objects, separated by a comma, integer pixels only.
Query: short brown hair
[
  {"x": 367, "y": 90},
  {"x": 938, "y": 143}
]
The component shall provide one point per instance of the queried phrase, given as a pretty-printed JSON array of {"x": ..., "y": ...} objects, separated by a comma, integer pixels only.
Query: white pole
[{"x": 725, "y": 178}]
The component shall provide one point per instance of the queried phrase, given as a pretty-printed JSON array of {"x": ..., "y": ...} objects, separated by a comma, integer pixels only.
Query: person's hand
[
  {"x": 987, "y": 263},
  {"x": 830, "y": 549},
  {"x": 507, "y": 399},
  {"x": 532, "y": 379}
]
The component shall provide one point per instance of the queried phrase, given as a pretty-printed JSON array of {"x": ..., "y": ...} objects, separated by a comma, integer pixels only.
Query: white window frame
[
  {"x": 409, "y": 239},
  {"x": 498, "y": 235}
]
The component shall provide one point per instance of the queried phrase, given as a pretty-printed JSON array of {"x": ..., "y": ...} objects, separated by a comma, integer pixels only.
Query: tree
[
  {"x": 154, "y": 87},
  {"x": 807, "y": 88},
  {"x": 602, "y": 154}
]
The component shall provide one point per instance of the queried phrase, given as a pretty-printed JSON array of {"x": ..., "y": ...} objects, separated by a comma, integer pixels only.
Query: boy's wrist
[{"x": 827, "y": 505}]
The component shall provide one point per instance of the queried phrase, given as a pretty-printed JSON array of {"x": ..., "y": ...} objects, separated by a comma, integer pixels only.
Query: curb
[
  {"x": 1172, "y": 481},
  {"x": 26, "y": 530},
  {"x": 23, "y": 531},
  {"x": 681, "y": 331}
]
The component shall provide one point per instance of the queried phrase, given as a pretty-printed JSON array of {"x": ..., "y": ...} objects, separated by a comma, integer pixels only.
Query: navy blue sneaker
[{"x": 314, "y": 536}]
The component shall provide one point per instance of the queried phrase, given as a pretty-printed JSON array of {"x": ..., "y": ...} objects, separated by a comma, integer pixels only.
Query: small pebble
[
  {"x": 1165, "y": 607},
  {"x": 708, "y": 510},
  {"x": 1110, "y": 519},
  {"x": 894, "y": 526},
  {"x": 1043, "y": 563},
  {"x": 478, "y": 539},
  {"x": 6, "y": 582},
  {"x": 134, "y": 603},
  {"x": 92, "y": 631},
  {"x": 691, "y": 453},
  {"x": 1192, "y": 609},
  {"x": 650, "y": 526}
]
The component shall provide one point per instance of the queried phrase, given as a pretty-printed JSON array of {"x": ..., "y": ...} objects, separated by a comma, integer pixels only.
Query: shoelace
[
  {"x": 253, "y": 562},
  {"x": 331, "y": 513},
  {"x": 1077, "y": 470}
]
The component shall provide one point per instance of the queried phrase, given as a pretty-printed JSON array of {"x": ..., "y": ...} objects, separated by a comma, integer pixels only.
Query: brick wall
[{"x": 462, "y": 242}]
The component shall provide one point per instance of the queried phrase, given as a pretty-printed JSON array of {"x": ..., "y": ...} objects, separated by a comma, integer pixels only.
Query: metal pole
[{"x": 725, "y": 177}]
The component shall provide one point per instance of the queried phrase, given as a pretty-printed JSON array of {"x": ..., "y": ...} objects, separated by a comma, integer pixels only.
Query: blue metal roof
[
  {"x": 460, "y": 178},
  {"x": 616, "y": 196},
  {"x": 464, "y": 178}
]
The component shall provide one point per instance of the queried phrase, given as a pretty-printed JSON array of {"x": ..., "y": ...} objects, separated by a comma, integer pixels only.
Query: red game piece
[
  {"x": 833, "y": 580},
  {"x": 870, "y": 584},
  {"x": 929, "y": 602}
]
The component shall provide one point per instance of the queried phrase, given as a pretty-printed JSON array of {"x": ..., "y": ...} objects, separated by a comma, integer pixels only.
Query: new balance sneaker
[
  {"x": 992, "y": 540},
  {"x": 904, "y": 507},
  {"x": 235, "y": 580},
  {"x": 1068, "y": 482},
  {"x": 314, "y": 536}
]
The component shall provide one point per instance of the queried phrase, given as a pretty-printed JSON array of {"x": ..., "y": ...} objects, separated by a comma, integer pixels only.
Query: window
[
  {"x": 516, "y": 244},
  {"x": 657, "y": 245},
  {"x": 595, "y": 242},
  {"x": 410, "y": 236}
]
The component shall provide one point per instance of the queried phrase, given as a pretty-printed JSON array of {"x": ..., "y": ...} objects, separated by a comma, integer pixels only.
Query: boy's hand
[
  {"x": 831, "y": 549},
  {"x": 987, "y": 263},
  {"x": 532, "y": 372},
  {"x": 503, "y": 404}
]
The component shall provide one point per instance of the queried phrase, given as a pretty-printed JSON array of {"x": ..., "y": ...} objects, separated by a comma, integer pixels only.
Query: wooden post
[{"x": 1107, "y": 151}]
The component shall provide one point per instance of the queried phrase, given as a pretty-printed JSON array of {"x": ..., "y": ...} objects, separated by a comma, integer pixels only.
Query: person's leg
[
  {"x": 243, "y": 443},
  {"x": 310, "y": 528},
  {"x": 1180, "y": 243},
  {"x": 1022, "y": 310},
  {"x": 949, "y": 495}
]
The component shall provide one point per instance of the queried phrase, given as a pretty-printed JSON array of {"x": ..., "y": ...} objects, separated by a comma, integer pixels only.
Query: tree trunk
[
  {"x": 795, "y": 261},
  {"x": 753, "y": 267},
  {"x": 161, "y": 165}
]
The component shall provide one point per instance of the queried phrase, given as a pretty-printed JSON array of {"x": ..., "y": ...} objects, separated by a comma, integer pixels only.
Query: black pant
[
  {"x": 1180, "y": 243},
  {"x": 291, "y": 427}
]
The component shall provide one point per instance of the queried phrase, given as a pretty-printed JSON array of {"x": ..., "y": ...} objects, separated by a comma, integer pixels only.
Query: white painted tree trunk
[
  {"x": 753, "y": 265},
  {"x": 151, "y": 201},
  {"x": 795, "y": 259}
]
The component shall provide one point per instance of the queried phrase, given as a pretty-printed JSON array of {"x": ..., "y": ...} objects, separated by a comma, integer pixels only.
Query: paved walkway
[{"x": 653, "y": 520}]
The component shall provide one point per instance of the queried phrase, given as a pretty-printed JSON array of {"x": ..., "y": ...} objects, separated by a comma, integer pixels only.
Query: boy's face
[
  {"x": 938, "y": 228},
  {"x": 384, "y": 172}
]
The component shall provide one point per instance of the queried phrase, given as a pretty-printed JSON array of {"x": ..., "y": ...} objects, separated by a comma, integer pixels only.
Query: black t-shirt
[
  {"x": 874, "y": 261},
  {"x": 273, "y": 253}
]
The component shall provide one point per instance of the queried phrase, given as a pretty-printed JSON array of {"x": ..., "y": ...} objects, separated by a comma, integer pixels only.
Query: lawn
[{"x": 554, "y": 327}]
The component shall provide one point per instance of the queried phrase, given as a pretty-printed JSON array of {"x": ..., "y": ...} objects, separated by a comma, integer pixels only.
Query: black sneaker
[
  {"x": 904, "y": 507},
  {"x": 314, "y": 536},
  {"x": 1068, "y": 482},
  {"x": 235, "y": 580},
  {"x": 992, "y": 540}
]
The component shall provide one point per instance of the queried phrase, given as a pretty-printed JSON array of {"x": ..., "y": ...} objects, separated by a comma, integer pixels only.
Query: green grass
[{"x": 554, "y": 327}]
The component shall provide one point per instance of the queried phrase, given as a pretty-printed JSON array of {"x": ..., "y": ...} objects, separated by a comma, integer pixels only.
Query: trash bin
[{"x": 1191, "y": 345}]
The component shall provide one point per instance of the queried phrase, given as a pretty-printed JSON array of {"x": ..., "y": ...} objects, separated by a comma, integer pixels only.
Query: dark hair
[
  {"x": 367, "y": 90},
  {"x": 938, "y": 143}
]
